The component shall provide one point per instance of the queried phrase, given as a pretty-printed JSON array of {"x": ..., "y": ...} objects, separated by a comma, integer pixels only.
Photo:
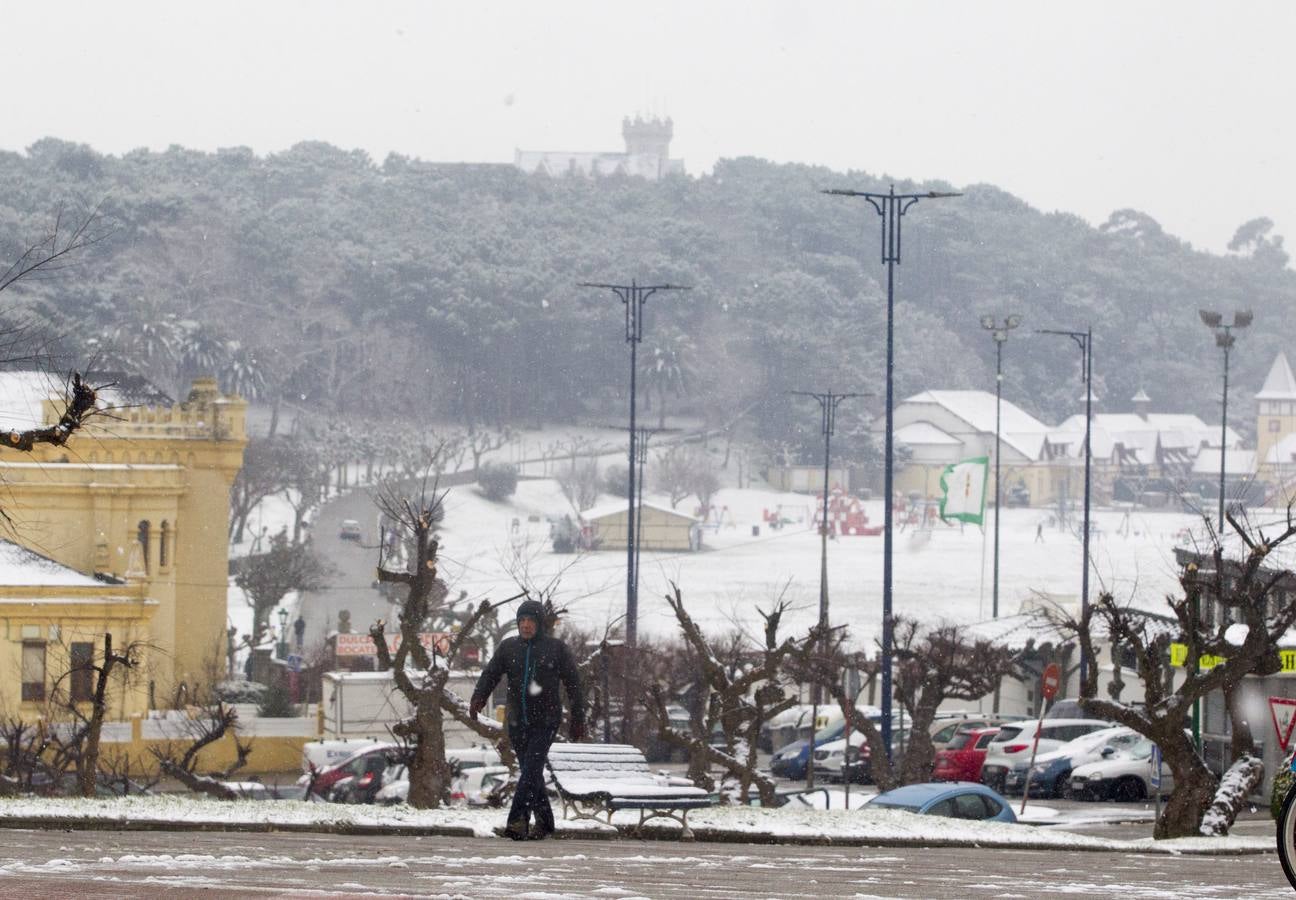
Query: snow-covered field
[
  {"x": 789, "y": 823},
  {"x": 941, "y": 574}
]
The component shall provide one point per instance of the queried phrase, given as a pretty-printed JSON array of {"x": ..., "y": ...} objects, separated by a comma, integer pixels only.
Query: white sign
[
  {"x": 1155, "y": 777},
  {"x": 1283, "y": 710}
]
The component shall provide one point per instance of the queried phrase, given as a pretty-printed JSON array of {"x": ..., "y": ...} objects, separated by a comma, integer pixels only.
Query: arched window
[
  {"x": 163, "y": 553},
  {"x": 144, "y": 540}
]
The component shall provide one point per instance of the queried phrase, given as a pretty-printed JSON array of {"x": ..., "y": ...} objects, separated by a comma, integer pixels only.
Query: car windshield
[
  {"x": 830, "y": 732},
  {"x": 1141, "y": 750}
]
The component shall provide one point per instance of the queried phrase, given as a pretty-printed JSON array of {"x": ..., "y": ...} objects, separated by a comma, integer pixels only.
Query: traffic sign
[
  {"x": 1155, "y": 776},
  {"x": 1051, "y": 681},
  {"x": 294, "y": 662},
  {"x": 1283, "y": 711}
]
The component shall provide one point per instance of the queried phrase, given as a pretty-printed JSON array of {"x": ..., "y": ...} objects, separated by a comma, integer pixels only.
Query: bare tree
[
  {"x": 737, "y": 699},
  {"x": 261, "y": 475},
  {"x": 269, "y": 577},
  {"x": 429, "y": 772},
  {"x": 179, "y": 759},
  {"x": 580, "y": 484},
  {"x": 1245, "y": 587},
  {"x": 479, "y": 443}
]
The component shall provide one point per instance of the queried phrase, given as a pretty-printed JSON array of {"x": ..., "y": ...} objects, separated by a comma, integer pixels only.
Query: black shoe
[
  {"x": 539, "y": 832},
  {"x": 514, "y": 830}
]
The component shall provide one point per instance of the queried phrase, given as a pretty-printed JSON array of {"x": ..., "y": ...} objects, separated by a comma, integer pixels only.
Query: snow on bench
[{"x": 599, "y": 779}]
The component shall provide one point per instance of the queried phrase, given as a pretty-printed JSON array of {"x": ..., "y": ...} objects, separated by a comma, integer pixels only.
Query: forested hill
[{"x": 409, "y": 288}]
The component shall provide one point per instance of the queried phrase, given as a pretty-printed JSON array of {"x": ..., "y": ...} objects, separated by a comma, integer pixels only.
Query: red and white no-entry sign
[
  {"x": 1050, "y": 681},
  {"x": 1283, "y": 710}
]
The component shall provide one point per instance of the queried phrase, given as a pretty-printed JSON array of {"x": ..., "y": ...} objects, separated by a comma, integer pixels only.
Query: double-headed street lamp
[
  {"x": 891, "y": 207},
  {"x": 282, "y": 649},
  {"x": 633, "y": 296},
  {"x": 999, "y": 331},
  {"x": 828, "y": 403},
  {"x": 1084, "y": 340},
  {"x": 1224, "y": 340}
]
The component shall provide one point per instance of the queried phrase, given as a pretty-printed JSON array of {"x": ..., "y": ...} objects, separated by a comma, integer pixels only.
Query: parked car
[
  {"x": 257, "y": 790},
  {"x": 350, "y": 530},
  {"x": 1121, "y": 774},
  {"x": 790, "y": 761},
  {"x": 1051, "y": 774},
  {"x": 362, "y": 772},
  {"x": 837, "y": 762},
  {"x": 962, "y": 757},
  {"x": 944, "y": 729},
  {"x": 1014, "y": 741},
  {"x": 961, "y": 800}
]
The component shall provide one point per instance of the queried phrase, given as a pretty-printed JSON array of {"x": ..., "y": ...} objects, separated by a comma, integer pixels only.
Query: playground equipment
[{"x": 846, "y": 515}]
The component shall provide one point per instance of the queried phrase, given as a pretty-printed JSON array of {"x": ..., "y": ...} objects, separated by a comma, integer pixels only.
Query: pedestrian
[
  {"x": 299, "y": 630},
  {"x": 1039, "y": 532},
  {"x": 534, "y": 664}
]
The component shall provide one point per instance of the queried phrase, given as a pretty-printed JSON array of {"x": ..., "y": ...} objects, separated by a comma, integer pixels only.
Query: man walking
[{"x": 534, "y": 663}]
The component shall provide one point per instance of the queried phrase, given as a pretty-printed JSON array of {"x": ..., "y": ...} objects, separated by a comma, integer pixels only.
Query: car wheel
[
  {"x": 1128, "y": 789},
  {"x": 1062, "y": 786}
]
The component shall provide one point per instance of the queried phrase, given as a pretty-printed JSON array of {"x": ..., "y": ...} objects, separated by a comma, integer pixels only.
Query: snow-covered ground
[
  {"x": 790, "y": 823},
  {"x": 940, "y": 574}
]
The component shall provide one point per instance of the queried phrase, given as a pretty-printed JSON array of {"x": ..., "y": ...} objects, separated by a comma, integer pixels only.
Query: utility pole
[
  {"x": 828, "y": 403},
  {"x": 998, "y": 331},
  {"x": 633, "y": 296},
  {"x": 891, "y": 207},
  {"x": 1084, "y": 340}
]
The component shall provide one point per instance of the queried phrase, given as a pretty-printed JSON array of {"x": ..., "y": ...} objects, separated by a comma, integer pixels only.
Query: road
[
  {"x": 351, "y": 588},
  {"x": 106, "y": 865}
]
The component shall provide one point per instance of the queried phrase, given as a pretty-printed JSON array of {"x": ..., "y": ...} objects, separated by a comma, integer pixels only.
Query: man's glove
[
  {"x": 474, "y": 708},
  {"x": 577, "y": 732}
]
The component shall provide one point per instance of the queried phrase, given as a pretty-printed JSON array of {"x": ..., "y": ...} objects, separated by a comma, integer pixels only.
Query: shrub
[
  {"x": 498, "y": 481},
  {"x": 1282, "y": 783},
  {"x": 276, "y": 703},
  {"x": 616, "y": 481}
]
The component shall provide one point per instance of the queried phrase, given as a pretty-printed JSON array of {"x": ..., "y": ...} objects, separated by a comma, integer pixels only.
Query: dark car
[{"x": 791, "y": 759}]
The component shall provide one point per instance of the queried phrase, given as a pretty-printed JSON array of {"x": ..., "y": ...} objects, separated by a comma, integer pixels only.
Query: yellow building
[
  {"x": 137, "y": 505},
  {"x": 660, "y": 528},
  {"x": 1276, "y": 424}
]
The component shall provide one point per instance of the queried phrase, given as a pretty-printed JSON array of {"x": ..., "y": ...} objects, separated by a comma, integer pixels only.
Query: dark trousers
[{"x": 531, "y": 744}]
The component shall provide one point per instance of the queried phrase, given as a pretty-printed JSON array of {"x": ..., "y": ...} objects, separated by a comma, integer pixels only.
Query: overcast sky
[{"x": 1180, "y": 109}]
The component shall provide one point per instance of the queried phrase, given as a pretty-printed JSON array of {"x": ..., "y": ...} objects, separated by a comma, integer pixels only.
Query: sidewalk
[{"x": 737, "y": 825}]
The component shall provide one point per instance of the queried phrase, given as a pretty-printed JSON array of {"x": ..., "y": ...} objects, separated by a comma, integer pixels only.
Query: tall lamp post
[
  {"x": 999, "y": 331},
  {"x": 1224, "y": 340},
  {"x": 282, "y": 650},
  {"x": 891, "y": 207},
  {"x": 633, "y": 296},
  {"x": 1084, "y": 340},
  {"x": 828, "y": 403}
]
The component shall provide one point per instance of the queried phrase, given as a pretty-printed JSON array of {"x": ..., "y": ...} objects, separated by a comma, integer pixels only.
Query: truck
[{"x": 365, "y": 705}]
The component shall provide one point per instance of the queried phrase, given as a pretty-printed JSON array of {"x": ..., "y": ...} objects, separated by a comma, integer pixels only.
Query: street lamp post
[
  {"x": 633, "y": 296},
  {"x": 828, "y": 403},
  {"x": 282, "y": 650},
  {"x": 891, "y": 207},
  {"x": 1084, "y": 340},
  {"x": 1224, "y": 339},
  {"x": 999, "y": 331}
]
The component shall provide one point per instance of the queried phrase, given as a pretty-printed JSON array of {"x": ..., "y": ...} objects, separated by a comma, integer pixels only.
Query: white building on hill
[{"x": 647, "y": 155}]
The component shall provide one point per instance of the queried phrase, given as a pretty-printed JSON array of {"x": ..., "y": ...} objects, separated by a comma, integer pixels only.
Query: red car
[{"x": 962, "y": 757}]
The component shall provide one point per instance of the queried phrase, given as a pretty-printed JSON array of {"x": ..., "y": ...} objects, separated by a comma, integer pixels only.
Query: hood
[{"x": 534, "y": 609}]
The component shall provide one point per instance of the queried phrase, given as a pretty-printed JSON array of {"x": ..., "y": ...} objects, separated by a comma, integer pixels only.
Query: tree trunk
[
  {"x": 1194, "y": 790},
  {"x": 1243, "y": 777},
  {"x": 429, "y": 776}
]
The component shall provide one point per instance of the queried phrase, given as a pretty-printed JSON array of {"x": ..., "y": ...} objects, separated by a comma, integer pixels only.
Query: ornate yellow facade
[{"x": 141, "y": 496}]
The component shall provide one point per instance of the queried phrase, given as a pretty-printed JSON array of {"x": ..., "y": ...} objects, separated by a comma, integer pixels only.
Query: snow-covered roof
[
  {"x": 20, "y": 567},
  {"x": 1282, "y": 452},
  {"x": 22, "y": 395},
  {"x": 619, "y": 506},
  {"x": 919, "y": 434},
  {"x": 1018, "y": 428},
  {"x": 1236, "y": 462},
  {"x": 1280, "y": 383},
  {"x": 1140, "y": 437}
]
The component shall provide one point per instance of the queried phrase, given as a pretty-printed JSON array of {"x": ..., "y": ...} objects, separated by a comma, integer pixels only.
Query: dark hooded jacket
[{"x": 544, "y": 662}]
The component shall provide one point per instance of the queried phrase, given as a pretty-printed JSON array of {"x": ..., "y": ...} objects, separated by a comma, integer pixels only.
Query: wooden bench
[{"x": 594, "y": 780}]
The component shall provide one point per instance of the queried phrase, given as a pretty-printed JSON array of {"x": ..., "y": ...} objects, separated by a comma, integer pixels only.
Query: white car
[
  {"x": 1014, "y": 741},
  {"x": 833, "y": 761},
  {"x": 472, "y": 787},
  {"x": 1051, "y": 774},
  {"x": 1120, "y": 775}
]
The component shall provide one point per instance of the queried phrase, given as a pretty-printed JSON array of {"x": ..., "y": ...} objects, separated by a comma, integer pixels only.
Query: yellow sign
[{"x": 1179, "y": 656}]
